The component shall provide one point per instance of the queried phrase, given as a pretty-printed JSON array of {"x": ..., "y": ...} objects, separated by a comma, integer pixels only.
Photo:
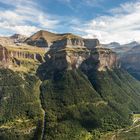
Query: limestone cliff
[
  {"x": 4, "y": 57},
  {"x": 64, "y": 51},
  {"x": 20, "y": 58},
  {"x": 81, "y": 53}
]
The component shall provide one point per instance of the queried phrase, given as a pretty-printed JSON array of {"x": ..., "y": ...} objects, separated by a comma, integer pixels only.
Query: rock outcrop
[
  {"x": 48, "y": 39},
  {"x": 64, "y": 51},
  {"x": 4, "y": 57},
  {"x": 42, "y": 39},
  {"x": 13, "y": 57},
  {"x": 81, "y": 53}
]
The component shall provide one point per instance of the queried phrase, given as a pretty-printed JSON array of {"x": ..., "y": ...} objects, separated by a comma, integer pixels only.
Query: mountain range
[
  {"x": 63, "y": 87},
  {"x": 128, "y": 55}
]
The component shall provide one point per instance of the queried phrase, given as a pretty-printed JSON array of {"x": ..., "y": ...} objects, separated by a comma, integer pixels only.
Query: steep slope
[
  {"x": 83, "y": 91},
  {"x": 74, "y": 109},
  {"x": 21, "y": 114},
  {"x": 80, "y": 93}
]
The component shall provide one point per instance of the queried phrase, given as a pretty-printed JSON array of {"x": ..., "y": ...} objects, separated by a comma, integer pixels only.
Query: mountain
[
  {"x": 125, "y": 47},
  {"x": 78, "y": 91},
  {"x": 15, "y": 39},
  {"x": 121, "y": 48},
  {"x": 130, "y": 61},
  {"x": 112, "y": 45},
  {"x": 45, "y": 39},
  {"x": 95, "y": 101},
  {"x": 41, "y": 39},
  {"x": 129, "y": 56}
]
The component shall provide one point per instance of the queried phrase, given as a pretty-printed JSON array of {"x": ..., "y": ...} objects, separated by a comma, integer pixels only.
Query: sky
[{"x": 107, "y": 20}]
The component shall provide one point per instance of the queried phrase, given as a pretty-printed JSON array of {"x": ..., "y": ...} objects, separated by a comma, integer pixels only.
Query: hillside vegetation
[
  {"x": 20, "y": 108},
  {"x": 78, "y": 106}
]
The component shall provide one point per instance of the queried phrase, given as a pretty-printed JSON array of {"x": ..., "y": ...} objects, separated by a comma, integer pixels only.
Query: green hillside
[
  {"x": 20, "y": 109},
  {"x": 79, "y": 105},
  {"x": 67, "y": 104}
]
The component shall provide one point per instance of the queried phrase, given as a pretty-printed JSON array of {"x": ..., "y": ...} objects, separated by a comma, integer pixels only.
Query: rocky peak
[
  {"x": 18, "y": 38},
  {"x": 42, "y": 39},
  {"x": 48, "y": 39}
]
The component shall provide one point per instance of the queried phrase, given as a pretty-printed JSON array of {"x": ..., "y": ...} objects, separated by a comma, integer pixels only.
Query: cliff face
[
  {"x": 4, "y": 57},
  {"x": 71, "y": 99},
  {"x": 20, "y": 58},
  {"x": 25, "y": 55},
  {"x": 101, "y": 59},
  {"x": 79, "y": 53},
  {"x": 64, "y": 51}
]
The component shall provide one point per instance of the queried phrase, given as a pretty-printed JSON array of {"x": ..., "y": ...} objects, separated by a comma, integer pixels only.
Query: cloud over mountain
[
  {"x": 91, "y": 18},
  {"x": 122, "y": 24},
  {"x": 24, "y": 17}
]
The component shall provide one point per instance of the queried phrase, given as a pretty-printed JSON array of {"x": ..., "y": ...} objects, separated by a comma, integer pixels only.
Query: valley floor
[{"x": 129, "y": 133}]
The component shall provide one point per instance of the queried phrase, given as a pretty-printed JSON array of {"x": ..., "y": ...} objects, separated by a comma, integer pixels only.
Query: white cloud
[
  {"x": 25, "y": 17},
  {"x": 122, "y": 26},
  {"x": 83, "y": 2}
]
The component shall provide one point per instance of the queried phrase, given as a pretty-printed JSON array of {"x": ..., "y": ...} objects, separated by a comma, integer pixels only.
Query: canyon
[
  {"x": 61, "y": 87},
  {"x": 65, "y": 50}
]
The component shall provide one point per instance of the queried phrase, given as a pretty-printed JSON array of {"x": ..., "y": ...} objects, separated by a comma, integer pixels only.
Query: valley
[
  {"x": 65, "y": 87},
  {"x": 131, "y": 133}
]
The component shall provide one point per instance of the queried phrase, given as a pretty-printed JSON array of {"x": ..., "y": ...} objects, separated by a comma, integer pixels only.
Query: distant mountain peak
[
  {"x": 46, "y": 39},
  {"x": 18, "y": 36}
]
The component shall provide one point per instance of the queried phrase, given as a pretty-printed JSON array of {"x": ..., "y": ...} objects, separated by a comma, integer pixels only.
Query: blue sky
[{"x": 107, "y": 20}]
